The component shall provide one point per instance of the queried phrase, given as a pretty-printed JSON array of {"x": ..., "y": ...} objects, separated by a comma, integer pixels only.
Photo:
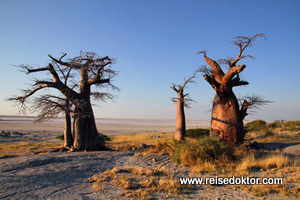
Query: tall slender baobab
[
  {"x": 227, "y": 116},
  {"x": 93, "y": 71},
  {"x": 182, "y": 101},
  {"x": 51, "y": 106}
]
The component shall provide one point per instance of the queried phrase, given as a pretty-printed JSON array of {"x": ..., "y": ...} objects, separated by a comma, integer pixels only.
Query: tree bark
[
  {"x": 68, "y": 139},
  {"x": 86, "y": 136},
  {"x": 180, "y": 130},
  {"x": 226, "y": 121}
]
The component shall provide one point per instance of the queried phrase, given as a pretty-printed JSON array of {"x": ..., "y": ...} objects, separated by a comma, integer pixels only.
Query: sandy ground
[
  {"x": 108, "y": 129},
  {"x": 63, "y": 175},
  {"x": 48, "y": 130}
]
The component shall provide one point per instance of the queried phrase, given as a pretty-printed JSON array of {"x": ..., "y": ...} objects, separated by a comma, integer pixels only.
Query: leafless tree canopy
[
  {"x": 215, "y": 76},
  {"x": 179, "y": 89},
  {"x": 64, "y": 73},
  {"x": 251, "y": 102},
  {"x": 78, "y": 80},
  {"x": 50, "y": 106}
]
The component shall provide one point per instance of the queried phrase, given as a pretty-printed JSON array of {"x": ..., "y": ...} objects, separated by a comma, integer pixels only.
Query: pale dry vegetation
[
  {"x": 277, "y": 131},
  {"x": 25, "y": 148},
  {"x": 206, "y": 156},
  {"x": 272, "y": 161},
  {"x": 291, "y": 181},
  {"x": 139, "y": 183},
  {"x": 137, "y": 141}
]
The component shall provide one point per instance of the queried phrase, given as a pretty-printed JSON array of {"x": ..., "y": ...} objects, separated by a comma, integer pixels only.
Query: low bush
[
  {"x": 292, "y": 125},
  {"x": 60, "y": 137},
  {"x": 105, "y": 137},
  {"x": 256, "y": 125},
  {"x": 206, "y": 149},
  {"x": 276, "y": 124},
  {"x": 197, "y": 133}
]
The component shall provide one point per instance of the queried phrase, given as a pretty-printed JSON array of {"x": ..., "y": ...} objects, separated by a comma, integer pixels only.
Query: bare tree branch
[
  {"x": 238, "y": 82},
  {"x": 216, "y": 76},
  {"x": 242, "y": 43},
  {"x": 102, "y": 96},
  {"x": 230, "y": 74},
  {"x": 179, "y": 89},
  {"x": 252, "y": 102},
  {"x": 211, "y": 80},
  {"x": 216, "y": 69}
]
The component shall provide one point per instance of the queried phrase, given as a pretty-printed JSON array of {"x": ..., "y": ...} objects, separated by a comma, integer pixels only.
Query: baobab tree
[
  {"x": 227, "y": 114},
  {"x": 93, "y": 71},
  {"x": 182, "y": 100},
  {"x": 50, "y": 107}
]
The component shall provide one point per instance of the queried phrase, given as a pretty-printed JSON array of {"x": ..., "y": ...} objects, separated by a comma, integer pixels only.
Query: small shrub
[
  {"x": 292, "y": 125},
  {"x": 105, "y": 137},
  {"x": 60, "y": 137},
  {"x": 276, "y": 124},
  {"x": 197, "y": 133},
  {"x": 256, "y": 125},
  {"x": 205, "y": 149}
]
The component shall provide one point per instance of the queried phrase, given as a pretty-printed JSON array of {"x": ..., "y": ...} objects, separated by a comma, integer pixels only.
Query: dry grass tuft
[
  {"x": 162, "y": 147},
  {"x": 274, "y": 161},
  {"x": 140, "y": 182},
  {"x": 137, "y": 141},
  {"x": 96, "y": 187},
  {"x": 140, "y": 193},
  {"x": 274, "y": 166},
  {"x": 25, "y": 148},
  {"x": 204, "y": 167},
  {"x": 172, "y": 186},
  {"x": 124, "y": 182}
]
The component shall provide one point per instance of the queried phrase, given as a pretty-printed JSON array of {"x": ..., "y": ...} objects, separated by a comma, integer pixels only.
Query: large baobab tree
[
  {"x": 227, "y": 114},
  {"x": 181, "y": 101},
  {"x": 93, "y": 71}
]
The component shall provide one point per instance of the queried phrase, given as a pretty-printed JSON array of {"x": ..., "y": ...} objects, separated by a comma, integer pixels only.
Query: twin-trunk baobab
[
  {"x": 92, "y": 71},
  {"x": 227, "y": 115}
]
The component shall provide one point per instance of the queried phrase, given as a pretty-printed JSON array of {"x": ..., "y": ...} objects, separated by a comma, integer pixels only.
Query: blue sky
[{"x": 154, "y": 43}]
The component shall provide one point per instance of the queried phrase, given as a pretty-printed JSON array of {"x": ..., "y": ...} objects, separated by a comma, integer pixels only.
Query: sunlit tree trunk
[
  {"x": 181, "y": 101},
  {"x": 180, "y": 130},
  {"x": 226, "y": 121}
]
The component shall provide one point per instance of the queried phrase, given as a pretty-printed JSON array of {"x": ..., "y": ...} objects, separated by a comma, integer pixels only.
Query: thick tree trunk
[
  {"x": 86, "y": 136},
  {"x": 68, "y": 139},
  {"x": 226, "y": 121},
  {"x": 180, "y": 130},
  {"x": 85, "y": 133}
]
